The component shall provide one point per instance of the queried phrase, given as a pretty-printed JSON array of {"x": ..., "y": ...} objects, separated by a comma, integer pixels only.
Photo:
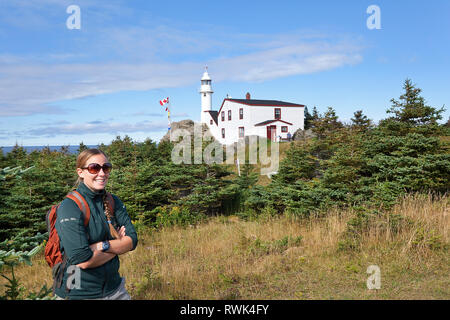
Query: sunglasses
[{"x": 95, "y": 168}]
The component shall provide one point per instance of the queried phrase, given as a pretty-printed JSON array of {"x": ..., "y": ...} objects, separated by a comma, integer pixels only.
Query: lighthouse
[
  {"x": 206, "y": 96},
  {"x": 238, "y": 118}
]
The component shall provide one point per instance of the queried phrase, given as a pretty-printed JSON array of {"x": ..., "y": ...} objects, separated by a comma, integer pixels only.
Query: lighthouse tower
[{"x": 206, "y": 96}]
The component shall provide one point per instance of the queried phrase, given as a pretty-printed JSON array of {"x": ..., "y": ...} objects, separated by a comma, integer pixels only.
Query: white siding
[
  {"x": 232, "y": 126},
  {"x": 294, "y": 115},
  {"x": 212, "y": 127},
  {"x": 252, "y": 116},
  {"x": 260, "y": 131}
]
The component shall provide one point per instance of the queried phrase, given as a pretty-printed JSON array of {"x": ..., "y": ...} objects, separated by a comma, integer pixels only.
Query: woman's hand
[
  {"x": 98, "y": 245},
  {"x": 121, "y": 232}
]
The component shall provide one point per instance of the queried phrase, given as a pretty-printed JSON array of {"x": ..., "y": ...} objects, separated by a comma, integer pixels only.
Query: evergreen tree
[
  {"x": 120, "y": 152},
  {"x": 360, "y": 121},
  {"x": 17, "y": 156},
  {"x": 327, "y": 125},
  {"x": 308, "y": 119},
  {"x": 147, "y": 151},
  {"x": 82, "y": 147},
  {"x": 2, "y": 158},
  {"x": 165, "y": 150},
  {"x": 315, "y": 115},
  {"x": 411, "y": 107},
  {"x": 411, "y": 114},
  {"x": 328, "y": 130},
  {"x": 298, "y": 164},
  {"x": 64, "y": 150}
]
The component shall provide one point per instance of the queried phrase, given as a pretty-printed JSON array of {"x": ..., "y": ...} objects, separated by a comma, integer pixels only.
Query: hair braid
[{"x": 109, "y": 216}]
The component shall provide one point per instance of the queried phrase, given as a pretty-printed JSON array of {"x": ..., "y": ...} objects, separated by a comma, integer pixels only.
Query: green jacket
[{"x": 75, "y": 240}]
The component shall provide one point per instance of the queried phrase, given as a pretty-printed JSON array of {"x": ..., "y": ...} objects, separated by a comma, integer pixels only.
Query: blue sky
[{"x": 61, "y": 87}]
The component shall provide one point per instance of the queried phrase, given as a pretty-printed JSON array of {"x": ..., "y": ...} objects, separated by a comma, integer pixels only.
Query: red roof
[
  {"x": 261, "y": 103},
  {"x": 271, "y": 121}
]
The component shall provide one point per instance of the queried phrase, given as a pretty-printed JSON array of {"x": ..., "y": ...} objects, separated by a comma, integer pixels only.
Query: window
[
  {"x": 210, "y": 122},
  {"x": 223, "y": 133},
  {"x": 241, "y": 113},
  {"x": 284, "y": 129},
  {"x": 223, "y": 115},
  {"x": 229, "y": 115},
  {"x": 241, "y": 132},
  {"x": 277, "y": 113}
]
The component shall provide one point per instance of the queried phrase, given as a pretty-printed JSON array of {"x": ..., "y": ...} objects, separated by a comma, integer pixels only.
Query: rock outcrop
[
  {"x": 187, "y": 125},
  {"x": 302, "y": 134}
]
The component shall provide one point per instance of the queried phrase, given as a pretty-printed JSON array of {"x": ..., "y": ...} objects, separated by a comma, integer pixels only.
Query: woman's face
[{"x": 95, "y": 182}]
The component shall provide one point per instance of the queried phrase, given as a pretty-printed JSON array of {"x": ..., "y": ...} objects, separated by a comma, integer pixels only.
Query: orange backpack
[
  {"x": 52, "y": 252},
  {"x": 55, "y": 259}
]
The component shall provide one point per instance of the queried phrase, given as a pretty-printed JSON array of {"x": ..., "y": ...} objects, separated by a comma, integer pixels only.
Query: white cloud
[
  {"x": 111, "y": 57},
  {"x": 29, "y": 88},
  {"x": 282, "y": 62},
  {"x": 94, "y": 127}
]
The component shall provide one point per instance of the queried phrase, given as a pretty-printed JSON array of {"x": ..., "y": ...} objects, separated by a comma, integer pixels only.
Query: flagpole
[
  {"x": 168, "y": 114},
  {"x": 163, "y": 102}
]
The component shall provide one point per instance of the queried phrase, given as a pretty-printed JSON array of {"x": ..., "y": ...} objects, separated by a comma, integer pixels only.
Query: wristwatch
[{"x": 105, "y": 246}]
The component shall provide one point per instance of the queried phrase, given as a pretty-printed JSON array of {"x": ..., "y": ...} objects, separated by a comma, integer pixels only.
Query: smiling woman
[
  {"x": 98, "y": 170},
  {"x": 93, "y": 249}
]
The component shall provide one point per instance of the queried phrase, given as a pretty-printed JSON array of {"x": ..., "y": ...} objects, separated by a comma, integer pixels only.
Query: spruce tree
[
  {"x": 315, "y": 115},
  {"x": 308, "y": 119},
  {"x": 360, "y": 121},
  {"x": 411, "y": 114},
  {"x": 81, "y": 147},
  {"x": 327, "y": 124}
]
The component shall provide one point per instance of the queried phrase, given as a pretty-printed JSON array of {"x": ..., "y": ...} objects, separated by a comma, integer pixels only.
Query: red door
[{"x": 271, "y": 133}]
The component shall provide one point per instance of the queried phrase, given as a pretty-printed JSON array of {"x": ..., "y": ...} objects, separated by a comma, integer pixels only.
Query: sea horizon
[{"x": 72, "y": 149}]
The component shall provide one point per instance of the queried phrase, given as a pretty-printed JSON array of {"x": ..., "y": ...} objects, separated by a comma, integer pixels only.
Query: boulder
[
  {"x": 302, "y": 134},
  {"x": 186, "y": 125}
]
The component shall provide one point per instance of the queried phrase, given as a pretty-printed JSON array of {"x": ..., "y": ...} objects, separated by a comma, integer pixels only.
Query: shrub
[{"x": 170, "y": 216}]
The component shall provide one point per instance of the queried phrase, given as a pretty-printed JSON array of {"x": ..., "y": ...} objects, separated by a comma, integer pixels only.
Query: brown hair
[
  {"x": 109, "y": 212},
  {"x": 83, "y": 157}
]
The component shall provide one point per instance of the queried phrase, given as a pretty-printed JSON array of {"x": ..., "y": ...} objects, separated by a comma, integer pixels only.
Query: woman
[{"x": 93, "y": 249}]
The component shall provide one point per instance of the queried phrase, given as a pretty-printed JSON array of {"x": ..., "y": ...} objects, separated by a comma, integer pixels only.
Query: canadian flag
[{"x": 164, "y": 101}]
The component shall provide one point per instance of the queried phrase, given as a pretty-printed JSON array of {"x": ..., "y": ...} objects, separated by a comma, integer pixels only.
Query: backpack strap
[
  {"x": 82, "y": 204},
  {"x": 58, "y": 269},
  {"x": 58, "y": 273}
]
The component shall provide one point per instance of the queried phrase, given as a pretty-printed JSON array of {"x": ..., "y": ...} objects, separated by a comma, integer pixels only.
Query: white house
[{"x": 238, "y": 118}]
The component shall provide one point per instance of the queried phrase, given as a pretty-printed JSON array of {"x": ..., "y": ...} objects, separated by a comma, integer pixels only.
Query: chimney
[{"x": 247, "y": 96}]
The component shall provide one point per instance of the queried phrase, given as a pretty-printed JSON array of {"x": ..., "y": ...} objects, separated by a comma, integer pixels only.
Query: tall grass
[{"x": 287, "y": 258}]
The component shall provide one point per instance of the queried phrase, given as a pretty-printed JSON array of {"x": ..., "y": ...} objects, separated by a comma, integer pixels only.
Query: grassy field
[{"x": 286, "y": 258}]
